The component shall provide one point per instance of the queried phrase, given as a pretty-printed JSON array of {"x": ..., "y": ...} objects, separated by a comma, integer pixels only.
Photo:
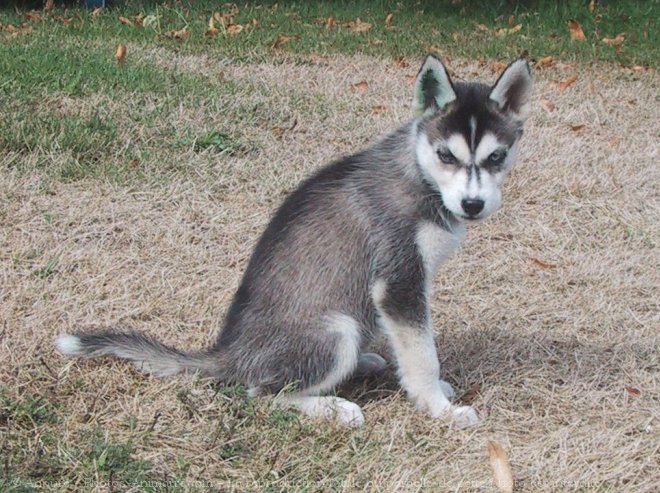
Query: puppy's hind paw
[{"x": 464, "y": 416}]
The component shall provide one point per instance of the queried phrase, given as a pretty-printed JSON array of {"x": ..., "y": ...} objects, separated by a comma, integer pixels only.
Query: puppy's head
[{"x": 467, "y": 134}]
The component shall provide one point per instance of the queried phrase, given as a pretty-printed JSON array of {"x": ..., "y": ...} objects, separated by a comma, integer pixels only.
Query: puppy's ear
[
  {"x": 513, "y": 89},
  {"x": 433, "y": 87}
]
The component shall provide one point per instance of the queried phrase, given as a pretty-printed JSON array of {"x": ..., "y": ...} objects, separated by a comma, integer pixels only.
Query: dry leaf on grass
[
  {"x": 401, "y": 62},
  {"x": 633, "y": 391},
  {"x": 211, "y": 30},
  {"x": 548, "y": 105},
  {"x": 97, "y": 11},
  {"x": 470, "y": 394},
  {"x": 482, "y": 27},
  {"x": 378, "y": 108},
  {"x": 234, "y": 28},
  {"x": 180, "y": 34},
  {"x": 592, "y": 6},
  {"x": 360, "y": 86},
  {"x": 562, "y": 85},
  {"x": 120, "y": 54},
  {"x": 545, "y": 62},
  {"x": 498, "y": 66},
  {"x": 454, "y": 36},
  {"x": 578, "y": 128},
  {"x": 505, "y": 31},
  {"x": 388, "y": 19},
  {"x": 542, "y": 264},
  {"x": 357, "y": 26},
  {"x": 33, "y": 16},
  {"x": 575, "y": 30},
  {"x": 330, "y": 22},
  {"x": 48, "y": 5},
  {"x": 499, "y": 463},
  {"x": 618, "y": 41},
  {"x": 125, "y": 20},
  {"x": 280, "y": 40}
]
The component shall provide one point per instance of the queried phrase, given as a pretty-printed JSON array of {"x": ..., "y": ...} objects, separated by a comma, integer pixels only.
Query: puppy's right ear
[{"x": 433, "y": 87}]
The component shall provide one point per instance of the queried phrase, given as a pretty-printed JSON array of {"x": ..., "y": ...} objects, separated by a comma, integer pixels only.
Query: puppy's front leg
[{"x": 405, "y": 318}]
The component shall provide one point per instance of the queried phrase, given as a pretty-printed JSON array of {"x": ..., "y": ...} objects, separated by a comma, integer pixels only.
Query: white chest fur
[{"x": 436, "y": 244}]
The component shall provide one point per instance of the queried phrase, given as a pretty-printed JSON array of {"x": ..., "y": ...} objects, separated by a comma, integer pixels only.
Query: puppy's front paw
[
  {"x": 447, "y": 389},
  {"x": 464, "y": 416}
]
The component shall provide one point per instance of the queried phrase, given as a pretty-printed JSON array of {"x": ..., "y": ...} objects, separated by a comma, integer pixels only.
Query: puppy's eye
[
  {"x": 496, "y": 158},
  {"x": 447, "y": 157}
]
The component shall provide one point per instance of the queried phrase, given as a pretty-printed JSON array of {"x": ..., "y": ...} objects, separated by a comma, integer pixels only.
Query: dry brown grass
[{"x": 552, "y": 305}]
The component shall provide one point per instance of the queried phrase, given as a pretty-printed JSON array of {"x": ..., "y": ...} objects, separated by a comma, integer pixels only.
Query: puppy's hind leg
[{"x": 344, "y": 357}]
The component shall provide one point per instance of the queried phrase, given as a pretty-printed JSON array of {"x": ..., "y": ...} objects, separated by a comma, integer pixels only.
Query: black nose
[{"x": 472, "y": 207}]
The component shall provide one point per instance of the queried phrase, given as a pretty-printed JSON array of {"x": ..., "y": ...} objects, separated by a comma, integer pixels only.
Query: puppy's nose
[{"x": 472, "y": 207}]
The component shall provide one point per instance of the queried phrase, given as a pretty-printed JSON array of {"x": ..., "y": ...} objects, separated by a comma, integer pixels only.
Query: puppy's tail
[{"x": 149, "y": 355}]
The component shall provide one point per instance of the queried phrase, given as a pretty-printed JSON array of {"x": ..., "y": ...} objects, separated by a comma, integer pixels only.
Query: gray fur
[{"x": 346, "y": 232}]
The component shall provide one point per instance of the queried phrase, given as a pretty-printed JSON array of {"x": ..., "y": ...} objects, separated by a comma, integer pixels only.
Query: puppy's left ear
[{"x": 513, "y": 89}]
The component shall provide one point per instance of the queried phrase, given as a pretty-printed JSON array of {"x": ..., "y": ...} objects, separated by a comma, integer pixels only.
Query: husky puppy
[{"x": 352, "y": 254}]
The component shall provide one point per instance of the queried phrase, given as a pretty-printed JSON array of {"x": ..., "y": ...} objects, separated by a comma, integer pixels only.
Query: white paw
[
  {"x": 447, "y": 389},
  {"x": 346, "y": 413},
  {"x": 464, "y": 416}
]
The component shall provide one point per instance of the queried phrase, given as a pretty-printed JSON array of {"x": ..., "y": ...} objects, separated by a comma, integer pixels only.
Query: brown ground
[{"x": 551, "y": 306}]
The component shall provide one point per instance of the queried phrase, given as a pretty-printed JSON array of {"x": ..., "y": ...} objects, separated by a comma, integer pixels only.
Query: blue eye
[{"x": 447, "y": 157}]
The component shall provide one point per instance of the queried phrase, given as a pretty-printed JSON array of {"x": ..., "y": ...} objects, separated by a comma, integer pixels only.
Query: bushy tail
[{"x": 148, "y": 355}]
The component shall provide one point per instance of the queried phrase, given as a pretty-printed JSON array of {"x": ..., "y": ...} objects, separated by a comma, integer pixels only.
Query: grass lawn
[{"x": 131, "y": 195}]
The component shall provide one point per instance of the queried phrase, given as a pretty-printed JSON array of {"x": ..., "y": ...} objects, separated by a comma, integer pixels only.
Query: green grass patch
[{"x": 470, "y": 28}]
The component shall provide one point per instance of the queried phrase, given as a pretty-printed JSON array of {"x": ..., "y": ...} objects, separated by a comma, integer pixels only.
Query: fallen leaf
[
  {"x": 33, "y": 16},
  {"x": 125, "y": 20},
  {"x": 499, "y": 463},
  {"x": 64, "y": 19},
  {"x": 618, "y": 41},
  {"x": 97, "y": 11},
  {"x": 482, "y": 27},
  {"x": 279, "y": 41},
  {"x": 454, "y": 36},
  {"x": 633, "y": 391},
  {"x": 578, "y": 128},
  {"x": 548, "y": 105},
  {"x": 575, "y": 30},
  {"x": 388, "y": 19},
  {"x": 120, "y": 54},
  {"x": 470, "y": 394},
  {"x": 592, "y": 6},
  {"x": 401, "y": 62},
  {"x": 498, "y": 66},
  {"x": 330, "y": 22},
  {"x": 542, "y": 264},
  {"x": 360, "y": 86},
  {"x": 357, "y": 26},
  {"x": 379, "y": 108},
  {"x": 511, "y": 21},
  {"x": 133, "y": 162},
  {"x": 138, "y": 19},
  {"x": 545, "y": 62},
  {"x": 211, "y": 30},
  {"x": 566, "y": 83},
  {"x": 506, "y": 31},
  {"x": 254, "y": 22},
  {"x": 234, "y": 28},
  {"x": 639, "y": 68},
  {"x": 180, "y": 34},
  {"x": 48, "y": 5}
]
